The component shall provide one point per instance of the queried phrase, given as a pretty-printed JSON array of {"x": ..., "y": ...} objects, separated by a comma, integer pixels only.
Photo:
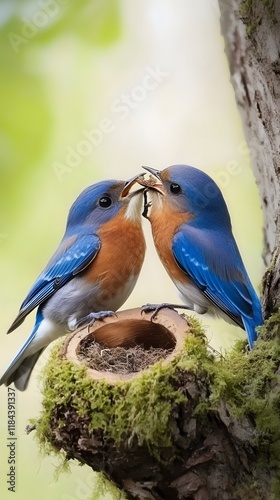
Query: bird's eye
[
  {"x": 175, "y": 188},
  {"x": 105, "y": 202}
]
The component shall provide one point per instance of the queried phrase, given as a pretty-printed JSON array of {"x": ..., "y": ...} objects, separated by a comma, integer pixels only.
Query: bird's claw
[
  {"x": 156, "y": 308},
  {"x": 94, "y": 316}
]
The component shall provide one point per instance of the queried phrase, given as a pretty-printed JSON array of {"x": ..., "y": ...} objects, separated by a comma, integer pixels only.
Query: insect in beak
[
  {"x": 151, "y": 183},
  {"x": 129, "y": 184}
]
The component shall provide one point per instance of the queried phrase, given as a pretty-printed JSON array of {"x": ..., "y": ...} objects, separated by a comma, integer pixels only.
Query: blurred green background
[{"x": 148, "y": 82}]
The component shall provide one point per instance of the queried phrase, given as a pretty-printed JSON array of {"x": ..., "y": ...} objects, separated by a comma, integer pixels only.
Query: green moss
[
  {"x": 244, "y": 378},
  {"x": 252, "y": 14},
  {"x": 102, "y": 488},
  {"x": 142, "y": 408},
  {"x": 249, "y": 383}
]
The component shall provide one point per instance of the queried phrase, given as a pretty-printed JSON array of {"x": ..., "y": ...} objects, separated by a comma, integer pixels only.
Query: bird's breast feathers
[
  {"x": 121, "y": 255},
  {"x": 133, "y": 209},
  {"x": 165, "y": 223}
]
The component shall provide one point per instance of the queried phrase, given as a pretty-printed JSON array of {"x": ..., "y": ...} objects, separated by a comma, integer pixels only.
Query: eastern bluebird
[
  {"x": 92, "y": 273},
  {"x": 193, "y": 236}
]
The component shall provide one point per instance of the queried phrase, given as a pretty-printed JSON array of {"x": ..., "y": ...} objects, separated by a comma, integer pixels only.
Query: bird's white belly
[
  {"x": 47, "y": 332},
  {"x": 76, "y": 302},
  {"x": 193, "y": 297},
  {"x": 116, "y": 300},
  {"x": 196, "y": 301}
]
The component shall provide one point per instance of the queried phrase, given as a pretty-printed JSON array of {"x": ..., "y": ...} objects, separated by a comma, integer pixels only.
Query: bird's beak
[
  {"x": 151, "y": 183},
  {"x": 129, "y": 184},
  {"x": 153, "y": 171}
]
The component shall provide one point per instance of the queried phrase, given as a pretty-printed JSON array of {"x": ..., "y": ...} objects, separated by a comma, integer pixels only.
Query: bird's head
[
  {"x": 102, "y": 201},
  {"x": 185, "y": 189}
]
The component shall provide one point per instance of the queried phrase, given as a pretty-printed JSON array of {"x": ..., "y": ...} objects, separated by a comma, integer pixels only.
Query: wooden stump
[
  {"x": 131, "y": 333},
  {"x": 148, "y": 405}
]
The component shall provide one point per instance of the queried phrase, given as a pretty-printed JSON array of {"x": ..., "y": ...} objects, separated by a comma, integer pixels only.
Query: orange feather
[
  {"x": 164, "y": 222},
  {"x": 112, "y": 266}
]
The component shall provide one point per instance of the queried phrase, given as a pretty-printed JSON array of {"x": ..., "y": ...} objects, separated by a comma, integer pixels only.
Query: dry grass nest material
[{"x": 119, "y": 359}]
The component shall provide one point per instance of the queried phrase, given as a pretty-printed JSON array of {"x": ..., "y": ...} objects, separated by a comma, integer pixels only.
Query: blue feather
[
  {"x": 73, "y": 256},
  {"x": 15, "y": 371},
  {"x": 211, "y": 258}
]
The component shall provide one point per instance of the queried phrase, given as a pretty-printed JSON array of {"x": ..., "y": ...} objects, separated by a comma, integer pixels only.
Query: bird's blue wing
[
  {"x": 213, "y": 262},
  {"x": 73, "y": 255}
]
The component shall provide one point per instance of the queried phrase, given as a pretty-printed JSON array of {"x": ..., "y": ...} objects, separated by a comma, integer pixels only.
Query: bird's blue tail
[
  {"x": 250, "y": 324},
  {"x": 19, "y": 373},
  {"x": 21, "y": 366}
]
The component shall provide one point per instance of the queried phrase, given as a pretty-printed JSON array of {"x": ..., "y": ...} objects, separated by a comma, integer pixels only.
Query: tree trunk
[
  {"x": 194, "y": 426},
  {"x": 251, "y": 30}
]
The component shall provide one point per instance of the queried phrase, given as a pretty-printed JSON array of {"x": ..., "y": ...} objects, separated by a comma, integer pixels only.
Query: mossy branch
[{"x": 177, "y": 428}]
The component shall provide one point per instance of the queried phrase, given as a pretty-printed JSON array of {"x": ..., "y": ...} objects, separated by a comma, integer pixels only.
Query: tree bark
[
  {"x": 251, "y": 30},
  {"x": 222, "y": 427}
]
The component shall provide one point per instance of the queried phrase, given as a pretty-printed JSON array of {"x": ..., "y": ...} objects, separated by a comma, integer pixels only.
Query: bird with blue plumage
[
  {"x": 192, "y": 232},
  {"x": 91, "y": 274}
]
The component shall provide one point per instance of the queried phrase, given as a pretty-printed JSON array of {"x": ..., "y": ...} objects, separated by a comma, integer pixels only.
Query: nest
[
  {"x": 123, "y": 346},
  {"x": 119, "y": 359}
]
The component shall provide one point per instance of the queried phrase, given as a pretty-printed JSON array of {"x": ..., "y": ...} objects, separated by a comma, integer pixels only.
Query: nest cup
[{"x": 120, "y": 347}]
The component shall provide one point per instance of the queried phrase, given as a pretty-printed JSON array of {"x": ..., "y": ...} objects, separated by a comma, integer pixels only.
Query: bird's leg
[
  {"x": 157, "y": 307},
  {"x": 92, "y": 317}
]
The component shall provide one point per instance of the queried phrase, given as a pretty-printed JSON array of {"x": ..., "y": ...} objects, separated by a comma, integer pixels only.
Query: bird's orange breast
[
  {"x": 120, "y": 257},
  {"x": 165, "y": 222}
]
